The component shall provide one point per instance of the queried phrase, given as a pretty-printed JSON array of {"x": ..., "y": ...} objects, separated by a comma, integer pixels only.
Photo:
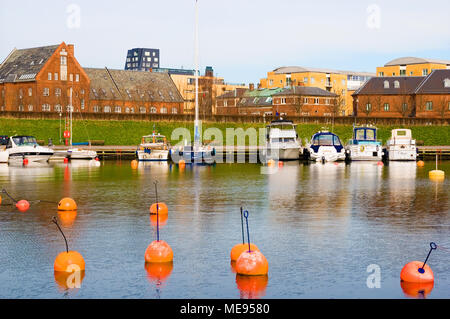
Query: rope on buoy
[
  {"x": 157, "y": 211},
  {"x": 433, "y": 246},
  {"x": 242, "y": 227},
  {"x": 248, "y": 232},
  {"x": 54, "y": 220},
  {"x": 4, "y": 191}
]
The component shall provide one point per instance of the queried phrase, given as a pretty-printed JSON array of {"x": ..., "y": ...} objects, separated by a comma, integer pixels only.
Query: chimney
[
  {"x": 71, "y": 49},
  {"x": 251, "y": 86}
]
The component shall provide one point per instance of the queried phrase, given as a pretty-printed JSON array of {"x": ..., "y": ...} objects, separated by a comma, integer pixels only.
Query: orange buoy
[
  {"x": 66, "y": 160},
  {"x": 25, "y": 161},
  {"x": 67, "y": 217},
  {"x": 280, "y": 164},
  {"x": 157, "y": 218},
  {"x": 380, "y": 163},
  {"x": 158, "y": 252},
  {"x": 162, "y": 209},
  {"x": 416, "y": 289},
  {"x": 134, "y": 164},
  {"x": 158, "y": 272},
  {"x": 252, "y": 263},
  {"x": 66, "y": 260},
  {"x": 23, "y": 205},
  {"x": 97, "y": 159},
  {"x": 413, "y": 272},
  {"x": 0, "y": 200},
  {"x": 238, "y": 249},
  {"x": 271, "y": 163},
  {"x": 420, "y": 163},
  {"x": 67, "y": 203},
  {"x": 181, "y": 163},
  {"x": 252, "y": 287},
  {"x": 69, "y": 280}
]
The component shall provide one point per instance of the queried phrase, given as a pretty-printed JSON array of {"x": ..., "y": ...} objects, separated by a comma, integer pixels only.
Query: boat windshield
[
  {"x": 365, "y": 134},
  {"x": 285, "y": 140},
  {"x": 284, "y": 127},
  {"x": 153, "y": 139},
  {"x": 24, "y": 140},
  {"x": 326, "y": 140}
]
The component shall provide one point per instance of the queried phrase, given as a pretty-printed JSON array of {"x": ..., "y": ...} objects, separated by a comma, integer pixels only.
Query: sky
[{"x": 241, "y": 39}]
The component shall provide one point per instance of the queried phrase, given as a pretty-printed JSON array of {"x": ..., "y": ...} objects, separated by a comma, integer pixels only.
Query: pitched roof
[
  {"x": 437, "y": 82},
  {"x": 306, "y": 90},
  {"x": 375, "y": 85},
  {"x": 236, "y": 93},
  {"x": 255, "y": 101},
  {"x": 24, "y": 64},
  {"x": 414, "y": 60},
  {"x": 107, "y": 84},
  {"x": 262, "y": 92},
  {"x": 299, "y": 69}
]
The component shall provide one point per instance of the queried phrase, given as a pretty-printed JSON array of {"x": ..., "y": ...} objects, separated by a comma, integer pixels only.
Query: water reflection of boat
[
  {"x": 79, "y": 163},
  {"x": 282, "y": 184}
]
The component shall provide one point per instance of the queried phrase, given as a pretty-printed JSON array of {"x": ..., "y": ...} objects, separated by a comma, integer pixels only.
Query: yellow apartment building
[
  {"x": 342, "y": 83},
  {"x": 411, "y": 66}
]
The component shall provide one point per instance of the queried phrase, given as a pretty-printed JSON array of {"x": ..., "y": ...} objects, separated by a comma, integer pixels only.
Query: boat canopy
[
  {"x": 365, "y": 135},
  {"x": 325, "y": 139},
  {"x": 23, "y": 140},
  {"x": 401, "y": 134},
  {"x": 154, "y": 138}
]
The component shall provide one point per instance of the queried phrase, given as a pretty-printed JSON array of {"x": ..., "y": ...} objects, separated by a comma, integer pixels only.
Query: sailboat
[
  {"x": 76, "y": 153},
  {"x": 197, "y": 153}
]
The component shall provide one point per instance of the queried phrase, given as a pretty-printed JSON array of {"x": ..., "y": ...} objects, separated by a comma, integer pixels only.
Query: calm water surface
[{"x": 319, "y": 226}]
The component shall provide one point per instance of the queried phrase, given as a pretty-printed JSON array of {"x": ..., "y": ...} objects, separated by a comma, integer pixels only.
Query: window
[
  {"x": 153, "y": 109},
  {"x": 30, "y": 91},
  {"x": 312, "y": 80},
  {"x": 429, "y": 106},
  {"x": 343, "y": 82},
  {"x": 305, "y": 80},
  {"x": 327, "y": 101},
  {"x": 56, "y": 76},
  {"x": 380, "y": 73},
  {"x": 404, "y": 107},
  {"x": 20, "y": 93},
  {"x": 396, "y": 84},
  {"x": 368, "y": 107},
  {"x": 386, "y": 84},
  {"x": 386, "y": 107},
  {"x": 449, "y": 106},
  {"x": 58, "y": 108},
  {"x": 425, "y": 72},
  {"x": 118, "y": 109},
  {"x": 46, "y": 107},
  {"x": 82, "y": 104},
  {"x": 30, "y": 107},
  {"x": 46, "y": 91},
  {"x": 96, "y": 108},
  {"x": 82, "y": 91},
  {"x": 142, "y": 109},
  {"x": 71, "y": 77},
  {"x": 270, "y": 82},
  {"x": 147, "y": 53},
  {"x": 305, "y": 100},
  {"x": 107, "y": 109},
  {"x": 402, "y": 72},
  {"x": 269, "y": 99},
  {"x": 316, "y": 100},
  {"x": 57, "y": 92},
  {"x": 411, "y": 73},
  {"x": 127, "y": 110},
  {"x": 163, "y": 110},
  {"x": 49, "y": 76},
  {"x": 225, "y": 103},
  {"x": 77, "y": 78},
  {"x": 283, "y": 100},
  {"x": 21, "y": 108},
  {"x": 132, "y": 110},
  {"x": 154, "y": 53},
  {"x": 393, "y": 73},
  {"x": 174, "y": 110},
  {"x": 447, "y": 83},
  {"x": 155, "y": 59},
  {"x": 63, "y": 60}
]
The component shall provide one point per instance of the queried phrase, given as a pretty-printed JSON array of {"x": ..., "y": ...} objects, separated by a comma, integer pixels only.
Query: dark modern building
[{"x": 142, "y": 59}]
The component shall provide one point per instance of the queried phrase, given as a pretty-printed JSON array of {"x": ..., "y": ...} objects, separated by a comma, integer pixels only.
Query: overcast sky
[{"x": 241, "y": 39}]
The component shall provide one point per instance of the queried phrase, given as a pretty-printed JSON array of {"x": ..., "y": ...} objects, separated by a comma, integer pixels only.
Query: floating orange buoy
[
  {"x": 416, "y": 289},
  {"x": 436, "y": 175},
  {"x": 67, "y": 203},
  {"x": 157, "y": 218},
  {"x": 66, "y": 259},
  {"x": 66, "y": 160},
  {"x": 67, "y": 217},
  {"x": 238, "y": 249},
  {"x": 158, "y": 272},
  {"x": 22, "y": 205},
  {"x": 134, "y": 164},
  {"x": 69, "y": 280},
  {"x": 271, "y": 163},
  {"x": 0, "y": 200},
  {"x": 252, "y": 287},
  {"x": 158, "y": 252},
  {"x": 25, "y": 161},
  {"x": 380, "y": 163},
  {"x": 252, "y": 263},
  {"x": 97, "y": 159},
  {"x": 162, "y": 209},
  {"x": 420, "y": 163},
  {"x": 413, "y": 272},
  {"x": 280, "y": 164}
]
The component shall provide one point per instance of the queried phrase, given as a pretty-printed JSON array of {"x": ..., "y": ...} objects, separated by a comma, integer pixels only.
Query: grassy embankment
[{"x": 130, "y": 132}]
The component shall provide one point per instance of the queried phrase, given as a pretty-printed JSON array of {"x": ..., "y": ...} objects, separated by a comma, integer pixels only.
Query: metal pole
[{"x": 196, "y": 132}]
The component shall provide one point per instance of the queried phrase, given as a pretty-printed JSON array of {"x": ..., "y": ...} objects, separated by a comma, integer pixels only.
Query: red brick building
[
  {"x": 41, "y": 80},
  {"x": 408, "y": 96}
]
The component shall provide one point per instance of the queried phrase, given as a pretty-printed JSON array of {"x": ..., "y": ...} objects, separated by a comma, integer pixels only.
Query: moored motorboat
[
  {"x": 401, "y": 146},
  {"x": 153, "y": 148},
  {"x": 22, "y": 147},
  {"x": 282, "y": 141},
  {"x": 364, "y": 145},
  {"x": 325, "y": 147}
]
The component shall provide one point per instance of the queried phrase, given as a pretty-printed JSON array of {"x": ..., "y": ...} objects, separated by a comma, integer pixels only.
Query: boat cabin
[
  {"x": 364, "y": 135},
  {"x": 21, "y": 141},
  {"x": 281, "y": 131},
  {"x": 325, "y": 138},
  {"x": 154, "y": 141}
]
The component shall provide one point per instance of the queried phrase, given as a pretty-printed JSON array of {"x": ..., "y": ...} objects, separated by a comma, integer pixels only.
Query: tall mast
[
  {"x": 196, "y": 129},
  {"x": 70, "y": 109}
]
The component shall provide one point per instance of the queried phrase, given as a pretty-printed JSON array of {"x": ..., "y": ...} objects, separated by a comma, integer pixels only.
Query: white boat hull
[
  {"x": 399, "y": 154},
  {"x": 283, "y": 153},
  {"x": 77, "y": 154},
  {"x": 326, "y": 154},
  {"x": 364, "y": 152},
  {"x": 18, "y": 158},
  {"x": 4, "y": 155},
  {"x": 154, "y": 155}
]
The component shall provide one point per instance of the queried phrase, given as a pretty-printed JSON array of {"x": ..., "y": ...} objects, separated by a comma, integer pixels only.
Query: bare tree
[
  {"x": 337, "y": 104},
  {"x": 443, "y": 106},
  {"x": 298, "y": 102}
]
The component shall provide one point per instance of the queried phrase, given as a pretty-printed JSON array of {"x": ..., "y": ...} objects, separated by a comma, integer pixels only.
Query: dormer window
[
  {"x": 396, "y": 84},
  {"x": 447, "y": 83},
  {"x": 386, "y": 84}
]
